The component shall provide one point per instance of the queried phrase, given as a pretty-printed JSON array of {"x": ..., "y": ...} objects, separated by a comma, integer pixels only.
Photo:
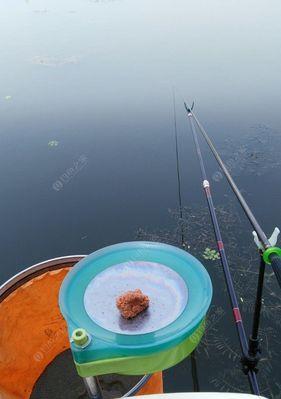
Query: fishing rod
[
  {"x": 270, "y": 253},
  {"x": 249, "y": 362}
]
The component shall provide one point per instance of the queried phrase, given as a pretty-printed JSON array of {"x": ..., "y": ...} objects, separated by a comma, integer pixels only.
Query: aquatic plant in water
[
  {"x": 55, "y": 61},
  {"x": 53, "y": 143},
  {"x": 210, "y": 254},
  {"x": 246, "y": 155}
]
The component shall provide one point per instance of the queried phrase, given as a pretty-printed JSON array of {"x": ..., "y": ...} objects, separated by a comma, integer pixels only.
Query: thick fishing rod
[
  {"x": 247, "y": 361},
  {"x": 270, "y": 253}
]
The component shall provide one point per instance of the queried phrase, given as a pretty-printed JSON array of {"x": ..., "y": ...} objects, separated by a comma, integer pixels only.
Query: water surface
[{"x": 87, "y": 143}]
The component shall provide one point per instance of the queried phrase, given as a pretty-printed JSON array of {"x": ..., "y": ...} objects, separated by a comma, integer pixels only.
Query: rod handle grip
[{"x": 276, "y": 266}]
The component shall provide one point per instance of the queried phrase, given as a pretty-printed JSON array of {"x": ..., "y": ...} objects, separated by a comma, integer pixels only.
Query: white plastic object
[
  {"x": 200, "y": 395},
  {"x": 273, "y": 239},
  {"x": 274, "y": 236}
]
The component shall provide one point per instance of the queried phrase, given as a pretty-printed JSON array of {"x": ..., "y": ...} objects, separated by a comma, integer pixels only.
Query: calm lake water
[{"x": 87, "y": 151}]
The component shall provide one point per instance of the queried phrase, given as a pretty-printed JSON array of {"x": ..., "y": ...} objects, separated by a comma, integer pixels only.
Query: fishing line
[
  {"x": 178, "y": 169},
  {"x": 248, "y": 362}
]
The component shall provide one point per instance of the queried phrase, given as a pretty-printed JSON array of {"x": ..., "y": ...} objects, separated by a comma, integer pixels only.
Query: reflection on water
[
  {"x": 54, "y": 61},
  {"x": 257, "y": 153},
  {"x": 97, "y": 77}
]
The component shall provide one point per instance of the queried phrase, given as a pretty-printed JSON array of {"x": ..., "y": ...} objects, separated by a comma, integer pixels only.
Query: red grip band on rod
[{"x": 237, "y": 315}]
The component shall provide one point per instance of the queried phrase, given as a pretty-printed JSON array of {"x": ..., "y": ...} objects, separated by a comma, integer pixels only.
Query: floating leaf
[
  {"x": 210, "y": 254},
  {"x": 53, "y": 143},
  {"x": 55, "y": 61}
]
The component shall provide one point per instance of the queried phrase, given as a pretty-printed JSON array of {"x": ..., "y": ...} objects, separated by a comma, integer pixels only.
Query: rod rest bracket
[
  {"x": 250, "y": 361},
  {"x": 273, "y": 239}
]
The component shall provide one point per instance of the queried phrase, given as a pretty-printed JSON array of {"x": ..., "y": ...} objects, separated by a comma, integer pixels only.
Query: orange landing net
[{"x": 33, "y": 332}]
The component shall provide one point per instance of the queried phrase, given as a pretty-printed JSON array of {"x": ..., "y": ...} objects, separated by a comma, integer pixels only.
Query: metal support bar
[
  {"x": 254, "y": 340},
  {"x": 194, "y": 373},
  {"x": 93, "y": 387}
]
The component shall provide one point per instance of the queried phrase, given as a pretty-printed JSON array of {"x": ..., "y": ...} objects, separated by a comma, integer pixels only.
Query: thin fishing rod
[
  {"x": 178, "y": 169},
  {"x": 271, "y": 254},
  {"x": 249, "y": 366}
]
